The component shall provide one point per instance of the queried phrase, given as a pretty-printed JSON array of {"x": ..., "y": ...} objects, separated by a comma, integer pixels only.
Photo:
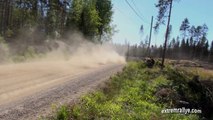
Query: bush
[
  {"x": 27, "y": 55},
  {"x": 63, "y": 113},
  {"x": 30, "y": 53},
  {"x": 9, "y": 33}
]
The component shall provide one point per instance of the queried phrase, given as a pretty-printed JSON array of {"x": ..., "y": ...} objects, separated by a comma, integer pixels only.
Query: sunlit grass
[
  {"x": 132, "y": 95},
  {"x": 204, "y": 74}
]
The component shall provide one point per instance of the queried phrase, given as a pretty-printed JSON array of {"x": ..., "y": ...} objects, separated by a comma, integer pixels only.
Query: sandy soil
[{"x": 28, "y": 90}]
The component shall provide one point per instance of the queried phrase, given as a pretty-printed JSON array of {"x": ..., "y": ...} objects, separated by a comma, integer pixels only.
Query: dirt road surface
[{"x": 28, "y": 90}]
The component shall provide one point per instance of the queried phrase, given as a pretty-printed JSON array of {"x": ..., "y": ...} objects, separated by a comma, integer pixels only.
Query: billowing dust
[{"x": 62, "y": 64}]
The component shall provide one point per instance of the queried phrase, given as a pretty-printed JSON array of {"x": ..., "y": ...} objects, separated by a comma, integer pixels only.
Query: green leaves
[
  {"x": 131, "y": 96},
  {"x": 163, "y": 6},
  {"x": 63, "y": 113},
  {"x": 91, "y": 17},
  {"x": 75, "y": 13}
]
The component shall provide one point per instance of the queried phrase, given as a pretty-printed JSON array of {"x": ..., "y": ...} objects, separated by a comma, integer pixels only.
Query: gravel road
[{"x": 27, "y": 91}]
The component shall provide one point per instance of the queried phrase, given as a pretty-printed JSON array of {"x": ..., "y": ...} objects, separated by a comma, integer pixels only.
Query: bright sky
[{"x": 128, "y": 23}]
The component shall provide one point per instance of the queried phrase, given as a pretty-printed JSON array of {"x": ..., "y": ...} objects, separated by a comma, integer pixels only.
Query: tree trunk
[
  {"x": 167, "y": 35},
  {"x": 2, "y": 8}
]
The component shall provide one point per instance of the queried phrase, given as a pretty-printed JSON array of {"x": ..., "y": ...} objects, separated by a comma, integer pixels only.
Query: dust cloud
[
  {"x": 69, "y": 58},
  {"x": 75, "y": 50},
  {"x": 82, "y": 53},
  {"x": 61, "y": 63}
]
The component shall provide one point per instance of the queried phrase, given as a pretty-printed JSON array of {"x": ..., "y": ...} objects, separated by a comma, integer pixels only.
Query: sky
[{"x": 128, "y": 23}]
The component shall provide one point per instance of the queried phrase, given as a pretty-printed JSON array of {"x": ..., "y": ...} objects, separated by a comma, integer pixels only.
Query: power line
[
  {"x": 131, "y": 20},
  {"x": 138, "y": 10},
  {"x": 135, "y": 12}
]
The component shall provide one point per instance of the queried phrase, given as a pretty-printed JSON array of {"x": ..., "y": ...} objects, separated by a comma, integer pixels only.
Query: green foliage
[
  {"x": 2, "y": 39},
  {"x": 130, "y": 95},
  {"x": 91, "y": 17},
  {"x": 30, "y": 52},
  {"x": 9, "y": 33},
  {"x": 52, "y": 18},
  {"x": 75, "y": 13},
  {"x": 91, "y": 20},
  {"x": 163, "y": 7},
  {"x": 27, "y": 55},
  {"x": 104, "y": 8},
  {"x": 184, "y": 28},
  {"x": 63, "y": 113},
  {"x": 30, "y": 22}
]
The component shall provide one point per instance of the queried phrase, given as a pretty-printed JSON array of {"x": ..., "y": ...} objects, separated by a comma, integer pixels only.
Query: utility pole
[
  {"x": 166, "y": 36},
  {"x": 127, "y": 53},
  {"x": 150, "y": 37}
]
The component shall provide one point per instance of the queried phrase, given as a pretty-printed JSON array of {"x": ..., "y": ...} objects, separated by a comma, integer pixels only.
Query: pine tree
[
  {"x": 75, "y": 15},
  {"x": 183, "y": 48},
  {"x": 203, "y": 47},
  {"x": 211, "y": 53},
  {"x": 164, "y": 7},
  {"x": 90, "y": 20},
  {"x": 187, "y": 49},
  {"x": 184, "y": 28},
  {"x": 205, "y": 50},
  {"x": 104, "y": 9},
  {"x": 177, "y": 48},
  {"x": 183, "y": 45},
  {"x": 5, "y": 17}
]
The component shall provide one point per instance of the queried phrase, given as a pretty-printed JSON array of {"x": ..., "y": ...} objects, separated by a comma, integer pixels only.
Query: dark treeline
[
  {"x": 54, "y": 18},
  {"x": 193, "y": 44}
]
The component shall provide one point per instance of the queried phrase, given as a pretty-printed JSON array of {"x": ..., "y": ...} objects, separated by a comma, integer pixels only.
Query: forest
[
  {"x": 192, "y": 43},
  {"x": 26, "y": 24},
  {"x": 59, "y": 61},
  {"x": 33, "y": 22},
  {"x": 91, "y": 17}
]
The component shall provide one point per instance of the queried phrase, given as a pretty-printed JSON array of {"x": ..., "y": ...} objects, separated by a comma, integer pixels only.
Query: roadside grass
[
  {"x": 203, "y": 73},
  {"x": 136, "y": 93},
  {"x": 193, "y": 68}
]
